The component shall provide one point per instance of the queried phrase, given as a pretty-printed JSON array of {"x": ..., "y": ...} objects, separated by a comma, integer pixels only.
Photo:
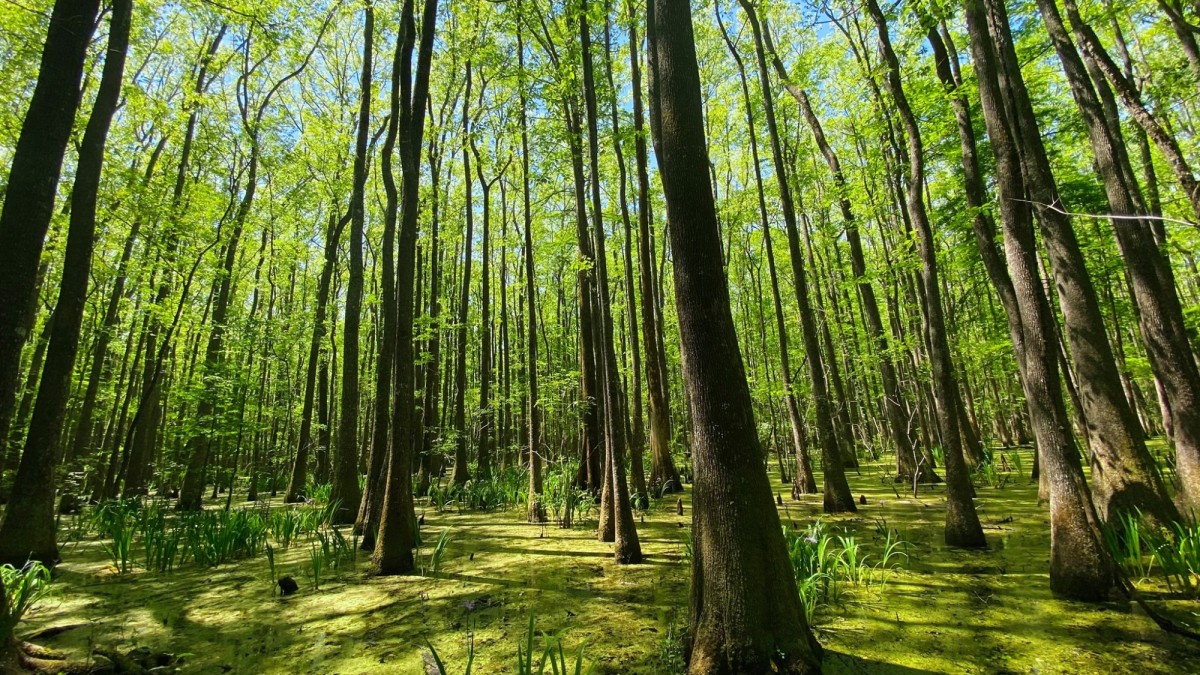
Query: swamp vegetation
[{"x": 715, "y": 337}]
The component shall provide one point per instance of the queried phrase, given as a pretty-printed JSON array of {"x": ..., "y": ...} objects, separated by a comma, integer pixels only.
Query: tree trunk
[
  {"x": 627, "y": 548},
  {"x": 664, "y": 477},
  {"x": 837, "y": 497},
  {"x": 462, "y": 472},
  {"x": 1124, "y": 476},
  {"x": 33, "y": 181},
  {"x": 745, "y": 613},
  {"x": 299, "y": 474},
  {"x": 962, "y": 522},
  {"x": 397, "y": 524},
  {"x": 1080, "y": 567},
  {"x": 346, "y": 492},
  {"x": 803, "y": 481},
  {"x": 28, "y": 532}
]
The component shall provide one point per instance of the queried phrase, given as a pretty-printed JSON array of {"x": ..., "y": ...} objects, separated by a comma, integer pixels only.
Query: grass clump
[
  {"x": 826, "y": 565},
  {"x": 1144, "y": 551},
  {"x": 24, "y": 587}
]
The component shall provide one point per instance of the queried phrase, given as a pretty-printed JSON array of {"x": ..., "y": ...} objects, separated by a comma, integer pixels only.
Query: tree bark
[
  {"x": 29, "y": 530},
  {"x": 745, "y": 613}
]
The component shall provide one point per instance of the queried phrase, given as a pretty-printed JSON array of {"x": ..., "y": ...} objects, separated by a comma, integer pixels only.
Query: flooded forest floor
[{"x": 943, "y": 611}]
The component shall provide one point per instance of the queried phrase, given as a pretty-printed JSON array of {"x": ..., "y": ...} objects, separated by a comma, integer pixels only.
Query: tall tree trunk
[
  {"x": 28, "y": 532},
  {"x": 397, "y": 524},
  {"x": 462, "y": 472},
  {"x": 637, "y": 431},
  {"x": 144, "y": 429},
  {"x": 837, "y": 497},
  {"x": 372, "y": 497},
  {"x": 1080, "y": 566},
  {"x": 86, "y": 428},
  {"x": 745, "y": 613},
  {"x": 346, "y": 492},
  {"x": 803, "y": 481},
  {"x": 627, "y": 548},
  {"x": 33, "y": 182},
  {"x": 1124, "y": 476},
  {"x": 533, "y": 432},
  {"x": 962, "y": 522},
  {"x": 299, "y": 473},
  {"x": 487, "y": 415}
]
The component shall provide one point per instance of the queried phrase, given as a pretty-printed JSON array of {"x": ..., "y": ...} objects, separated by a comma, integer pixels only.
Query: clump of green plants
[
  {"x": 439, "y": 550},
  {"x": 116, "y": 521},
  {"x": 554, "y": 656},
  {"x": 669, "y": 659},
  {"x": 568, "y": 504},
  {"x": 318, "y": 493},
  {"x": 826, "y": 565},
  {"x": 213, "y": 538},
  {"x": 316, "y": 565},
  {"x": 24, "y": 587},
  {"x": 1144, "y": 551},
  {"x": 502, "y": 490}
]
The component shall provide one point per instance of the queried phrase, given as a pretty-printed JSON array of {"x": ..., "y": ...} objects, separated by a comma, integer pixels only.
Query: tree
[
  {"x": 397, "y": 526},
  {"x": 837, "y": 497},
  {"x": 28, "y": 532},
  {"x": 962, "y": 523},
  {"x": 33, "y": 180},
  {"x": 745, "y": 613},
  {"x": 346, "y": 491},
  {"x": 1080, "y": 568}
]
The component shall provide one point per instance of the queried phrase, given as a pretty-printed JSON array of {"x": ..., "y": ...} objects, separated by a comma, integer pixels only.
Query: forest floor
[{"x": 946, "y": 611}]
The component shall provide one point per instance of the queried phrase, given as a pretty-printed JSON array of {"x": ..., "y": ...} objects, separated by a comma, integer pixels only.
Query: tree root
[{"x": 24, "y": 658}]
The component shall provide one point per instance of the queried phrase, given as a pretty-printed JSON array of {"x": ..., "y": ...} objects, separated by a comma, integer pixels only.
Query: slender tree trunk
[
  {"x": 299, "y": 473},
  {"x": 33, "y": 182},
  {"x": 664, "y": 477},
  {"x": 1124, "y": 477},
  {"x": 144, "y": 429},
  {"x": 462, "y": 472},
  {"x": 1080, "y": 566},
  {"x": 837, "y": 497},
  {"x": 28, "y": 532},
  {"x": 533, "y": 439},
  {"x": 397, "y": 524},
  {"x": 346, "y": 492},
  {"x": 803, "y": 481},
  {"x": 962, "y": 522},
  {"x": 86, "y": 428},
  {"x": 627, "y": 548}
]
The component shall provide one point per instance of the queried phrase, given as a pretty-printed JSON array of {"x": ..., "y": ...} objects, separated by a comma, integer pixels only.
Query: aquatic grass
[
  {"x": 24, "y": 587},
  {"x": 116, "y": 522},
  {"x": 525, "y": 651},
  {"x": 318, "y": 492},
  {"x": 316, "y": 565},
  {"x": 1143, "y": 551},
  {"x": 824, "y": 565},
  {"x": 271, "y": 564},
  {"x": 439, "y": 550}
]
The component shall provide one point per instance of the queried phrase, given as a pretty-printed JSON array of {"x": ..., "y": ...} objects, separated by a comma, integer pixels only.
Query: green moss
[{"x": 948, "y": 611}]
